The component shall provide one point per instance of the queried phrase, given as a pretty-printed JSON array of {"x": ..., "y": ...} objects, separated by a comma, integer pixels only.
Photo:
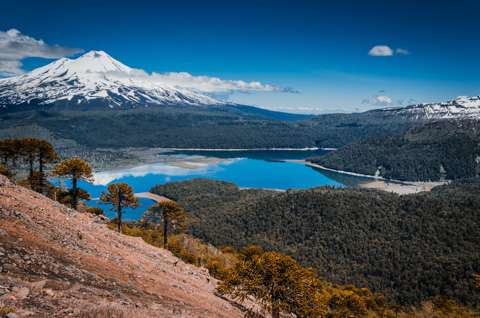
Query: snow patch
[{"x": 94, "y": 75}]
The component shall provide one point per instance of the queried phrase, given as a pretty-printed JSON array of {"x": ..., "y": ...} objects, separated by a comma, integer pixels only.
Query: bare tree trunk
[
  {"x": 14, "y": 169},
  {"x": 40, "y": 170},
  {"x": 119, "y": 216},
  {"x": 74, "y": 193},
  {"x": 275, "y": 311},
  {"x": 165, "y": 231},
  {"x": 119, "y": 212},
  {"x": 31, "y": 180},
  {"x": 30, "y": 163}
]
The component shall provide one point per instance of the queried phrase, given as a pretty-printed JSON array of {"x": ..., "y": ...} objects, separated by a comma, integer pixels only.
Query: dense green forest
[
  {"x": 410, "y": 247},
  {"x": 435, "y": 151},
  {"x": 193, "y": 127}
]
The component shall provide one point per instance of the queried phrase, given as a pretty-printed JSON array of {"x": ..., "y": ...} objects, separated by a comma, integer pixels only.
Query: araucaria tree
[
  {"x": 278, "y": 283},
  {"x": 4, "y": 171},
  {"x": 7, "y": 150},
  {"x": 45, "y": 154},
  {"x": 76, "y": 169},
  {"x": 168, "y": 213},
  {"x": 10, "y": 152},
  {"x": 121, "y": 196},
  {"x": 30, "y": 151}
]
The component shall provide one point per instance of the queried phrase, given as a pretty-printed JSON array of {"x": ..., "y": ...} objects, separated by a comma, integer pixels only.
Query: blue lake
[{"x": 246, "y": 172}]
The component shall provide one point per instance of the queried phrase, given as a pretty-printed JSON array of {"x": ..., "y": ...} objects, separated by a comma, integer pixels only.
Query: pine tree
[
  {"x": 10, "y": 152},
  {"x": 168, "y": 213},
  {"x": 278, "y": 282},
  {"x": 4, "y": 171},
  {"x": 120, "y": 195},
  {"x": 45, "y": 154},
  {"x": 28, "y": 151},
  {"x": 6, "y": 150},
  {"x": 75, "y": 169}
]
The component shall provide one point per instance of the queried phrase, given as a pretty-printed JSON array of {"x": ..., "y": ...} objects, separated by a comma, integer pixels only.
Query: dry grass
[
  {"x": 4, "y": 310},
  {"x": 113, "y": 311}
]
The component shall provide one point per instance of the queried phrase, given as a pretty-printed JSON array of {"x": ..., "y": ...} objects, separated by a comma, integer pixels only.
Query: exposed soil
[{"x": 57, "y": 262}]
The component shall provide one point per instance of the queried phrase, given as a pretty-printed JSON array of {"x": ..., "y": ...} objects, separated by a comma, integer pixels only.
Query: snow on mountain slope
[
  {"x": 93, "y": 77},
  {"x": 462, "y": 107}
]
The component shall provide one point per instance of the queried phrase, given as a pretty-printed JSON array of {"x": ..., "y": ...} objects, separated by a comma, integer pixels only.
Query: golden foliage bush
[
  {"x": 94, "y": 210},
  {"x": 185, "y": 247},
  {"x": 5, "y": 310}
]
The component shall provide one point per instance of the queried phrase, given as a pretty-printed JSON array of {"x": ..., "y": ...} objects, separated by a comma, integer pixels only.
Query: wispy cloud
[
  {"x": 380, "y": 50},
  {"x": 15, "y": 46},
  {"x": 378, "y": 101},
  {"x": 202, "y": 84},
  {"x": 385, "y": 50},
  {"x": 407, "y": 102},
  {"x": 167, "y": 170},
  {"x": 382, "y": 100}
]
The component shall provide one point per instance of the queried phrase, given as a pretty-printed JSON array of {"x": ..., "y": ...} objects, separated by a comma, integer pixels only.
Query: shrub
[
  {"x": 5, "y": 310},
  {"x": 94, "y": 210}
]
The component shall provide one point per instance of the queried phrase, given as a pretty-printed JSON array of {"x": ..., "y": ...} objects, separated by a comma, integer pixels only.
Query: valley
[
  {"x": 409, "y": 247},
  {"x": 224, "y": 209}
]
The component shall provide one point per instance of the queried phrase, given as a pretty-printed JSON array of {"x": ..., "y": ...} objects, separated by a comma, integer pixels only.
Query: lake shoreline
[
  {"x": 132, "y": 157},
  {"x": 139, "y": 157},
  {"x": 248, "y": 149},
  {"x": 381, "y": 183}
]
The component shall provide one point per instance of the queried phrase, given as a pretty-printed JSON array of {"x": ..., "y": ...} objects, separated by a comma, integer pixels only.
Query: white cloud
[
  {"x": 168, "y": 170},
  {"x": 15, "y": 46},
  {"x": 378, "y": 101},
  {"x": 385, "y": 50},
  {"x": 401, "y": 51},
  {"x": 383, "y": 100},
  {"x": 201, "y": 84},
  {"x": 380, "y": 50},
  {"x": 407, "y": 102},
  {"x": 105, "y": 177}
]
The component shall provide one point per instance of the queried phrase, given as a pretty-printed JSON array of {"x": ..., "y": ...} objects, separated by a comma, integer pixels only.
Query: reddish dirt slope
[{"x": 56, "y": 262}]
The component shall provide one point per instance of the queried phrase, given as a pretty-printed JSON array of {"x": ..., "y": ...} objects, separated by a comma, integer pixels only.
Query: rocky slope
[{"x": 56, "y": 262}]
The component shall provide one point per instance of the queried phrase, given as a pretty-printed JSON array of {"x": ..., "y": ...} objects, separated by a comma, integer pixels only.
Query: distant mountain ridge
[
  {"x": 437, "y": 150},
  {"x": 459, "y": 108}
]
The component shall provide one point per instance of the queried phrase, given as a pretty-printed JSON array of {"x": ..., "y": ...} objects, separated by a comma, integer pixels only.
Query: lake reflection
[{"x": 262, "y": 172}]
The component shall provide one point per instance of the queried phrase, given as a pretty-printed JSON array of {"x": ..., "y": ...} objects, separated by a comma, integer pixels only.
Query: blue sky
[{"x": 319, "y": 48}]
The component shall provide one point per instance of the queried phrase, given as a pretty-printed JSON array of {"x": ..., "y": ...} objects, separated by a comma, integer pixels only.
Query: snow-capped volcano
[
  {"x": 461, "y": 107},
  {"x": 93, "y": 78}
]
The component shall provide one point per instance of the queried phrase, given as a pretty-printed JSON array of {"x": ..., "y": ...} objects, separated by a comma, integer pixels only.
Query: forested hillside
[
  {"x": 195, "y": 127},
  {"x": 435, "y": 151},
  {"x": 410, "y": 247}
]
